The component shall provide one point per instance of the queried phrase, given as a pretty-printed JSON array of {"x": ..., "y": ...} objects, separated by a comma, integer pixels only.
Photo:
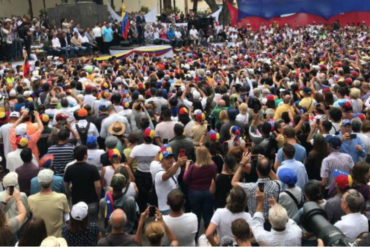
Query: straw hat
[{"x": 117, "y": 129}]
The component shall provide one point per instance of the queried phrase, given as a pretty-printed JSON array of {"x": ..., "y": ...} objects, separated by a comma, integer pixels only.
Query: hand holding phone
[
  {"x": 152, "y": 210},
  {"x": 261, "y": 186},
  {"x": 182, "y": 152},
  {"x": 11, "y": 190}
]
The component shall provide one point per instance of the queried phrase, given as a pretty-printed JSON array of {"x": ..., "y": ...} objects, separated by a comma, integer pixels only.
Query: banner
[
  {"x": 326, "y": 9},
  {"x": 151, "y": 16}
]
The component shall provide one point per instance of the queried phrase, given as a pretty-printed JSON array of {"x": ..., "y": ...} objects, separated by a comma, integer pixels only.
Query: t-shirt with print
[{"x": 82, "y": 176}]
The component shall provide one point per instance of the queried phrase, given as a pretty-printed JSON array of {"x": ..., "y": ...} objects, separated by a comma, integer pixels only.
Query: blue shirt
[
  {"x": 298, "y": 168},
  {"x": 170, "y": 34},
  {"x": 107, "y": 34},
  {"x": 57, "y": 185},
  {"x": 300, "y": 153},
  {"x": 349, "y": 147}
]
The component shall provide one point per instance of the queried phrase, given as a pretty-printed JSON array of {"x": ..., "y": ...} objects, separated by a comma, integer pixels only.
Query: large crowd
[{"x": 221, "y": 144}]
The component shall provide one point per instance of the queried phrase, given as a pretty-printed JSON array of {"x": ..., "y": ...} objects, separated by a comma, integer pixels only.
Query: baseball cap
[
  {"x": 22, "y": 140},
  {"x": 53, "y": 101},
  {"x": 166, "y": 152},
  {"x": 45, "y": 176},
  {"x": 113, "y": 153},
  {"x": 307, "y": 90},
  {"x": 91, "y": 141},
  {"x": 103, "y": 107},
  {"x": 82, "y": 113},
  {"x": 21, "y": 129},
  {"x": 287, "y": 176},
  {"x": 334, "y": 142},
  {"x": 200, "y": 116},
  {"x": 213, "y": 136},
  {"x": 45, "y": 118},
  {"x": 10, "y": 179},
  {"x": 149, "y": 132},
  {"x": 183, "y": 111},
  {"x": 235, "y": 130},
  {"x": 346, "y": 122},
  {"x": 343, "y": 181},
  {"x": 79, "y": 211}
]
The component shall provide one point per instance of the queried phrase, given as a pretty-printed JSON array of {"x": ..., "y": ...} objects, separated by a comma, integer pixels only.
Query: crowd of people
[{"x": 221, "y": 144}]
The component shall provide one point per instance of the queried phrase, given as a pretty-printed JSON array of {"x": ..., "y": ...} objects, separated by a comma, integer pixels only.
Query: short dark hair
[
  {"x": 178, "y": 129},
  {"x": 335, "y": 114},
  {"x": 289, "y": 132},
  {"x": 26, "y": 155},
  {"x": 327, "y": 125},
  {"x": 312, "y": 190},
  {"x": 176, "y": 200},
  {"x": 63, "y": 134},
  {"x": 263, "y": 168},
  {"x": 288, "y": 150},
  {"x": 79, "y": 152},
  {"x": 240, "y": 229},
  {"x": 230, "y": 162}
]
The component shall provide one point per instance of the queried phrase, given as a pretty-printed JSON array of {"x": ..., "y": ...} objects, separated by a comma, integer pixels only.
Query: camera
[{"x": 314, "y": 220}]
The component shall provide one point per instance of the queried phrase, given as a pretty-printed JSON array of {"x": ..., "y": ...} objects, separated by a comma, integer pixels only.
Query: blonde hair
[
  {"x": 278, "y": 217},
  {"x": 355, "y": 93},
  {"x": 154, "y": 232},
  {"x": 203, "y": 156},
  {"x": 223, "y": 115},
  {"x": 243, "y": 108},
  {"x": 198, "y": 131}
]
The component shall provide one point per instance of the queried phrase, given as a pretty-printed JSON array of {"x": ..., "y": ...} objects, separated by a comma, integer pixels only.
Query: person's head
[
  {"x": 54, "y": 241},
  {"x": 288, "y": 151},
  {"x": 334, "y": 143},
  {"x": 154, "y": 232},
  {"x": 326, "y": 125},
  {"x": 203, "y": 156},
  {"x": 335, "y": 114},
  {"x": 45, "y": 178},
  {"x": 263, "y": 166},
  {"x": 229, "y": 163},
  {"x": 346, "y": 126},
  {"x": 149, "y": 135},
  {"x": 178, "y": 129},
  {"x": 79, "y": 218},
  {"x": 241, "y": 230},
  {"x": 278, "y": 217},
  {"x": 356, "y": 125},
  {"x": 34, "y": 232},
  {"x": 63, "y": 135},
  {"x": 243, "y": 108},
  {"x": 312, "y": 190},
  {"x": 265, "y": 129},
  {"x": 111, "y": 142},
  {"x": 289, "y": 133},
  {"x": 114, "y": 156},
  {"x": 232, "y": 113},
  {"x": 166, "y": 157},
  {"x": 223, "y": 116},
  {"x": 287, "y": 176},
  {"x": 165, "y": 113},
  {"x": 237, "y": 200},
  {"x": 176, "y": 200},
  {"x": 117, "y": 220},
  {"x": 26, "y": 155},
  {"x": 352, "y": 202},
  {"x": 360, "y": 173},
  {"x": 118, "y": 182},
  {"x": 80, "y": 153},
  {"x": 133, "y": 138}
]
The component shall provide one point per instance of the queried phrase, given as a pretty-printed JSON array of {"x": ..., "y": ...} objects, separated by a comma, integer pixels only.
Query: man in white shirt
[
  {"x": 353, "y": 223},
  {"x": 284, "y": 231},
  {"x": 194, "y": 35},
  {"x": 183, "y": 225},
  {"x": 14, "y": 160},
  {"x": 5, "y": 131},
  {"x": 166, "y": 179}
]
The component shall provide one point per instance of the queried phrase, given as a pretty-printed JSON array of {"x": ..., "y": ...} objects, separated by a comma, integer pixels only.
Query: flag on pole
[
  {"x": 125, "y": 22},
  {"x": 233, "y": 12}
]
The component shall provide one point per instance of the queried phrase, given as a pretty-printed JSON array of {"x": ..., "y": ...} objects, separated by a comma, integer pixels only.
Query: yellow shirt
[
  {"x": 51, "y": 208},
  {"x": 281, "y": 109},
  {"x": 308, "y": 103}
]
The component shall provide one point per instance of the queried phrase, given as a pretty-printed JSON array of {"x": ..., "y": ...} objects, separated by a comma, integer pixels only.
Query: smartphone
[
  {"x": 151, "y": 211},
  {"x": 11, "y": 190},
  {"x": 261, "y": 186},
  {"x": 182, "y": 152},
  {"x": 352, "y": 136}
]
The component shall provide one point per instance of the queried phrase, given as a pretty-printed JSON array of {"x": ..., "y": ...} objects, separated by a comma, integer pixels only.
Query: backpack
[{"x": 83, "y": 132}]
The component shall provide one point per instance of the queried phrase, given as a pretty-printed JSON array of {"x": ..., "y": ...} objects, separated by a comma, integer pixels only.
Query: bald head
[
  {"x": 221, "y": 103},
  {"x": 118, "y": 219}
]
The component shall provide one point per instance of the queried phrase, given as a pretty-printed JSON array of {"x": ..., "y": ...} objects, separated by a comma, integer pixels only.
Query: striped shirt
[{"x": 63, "y": 154}]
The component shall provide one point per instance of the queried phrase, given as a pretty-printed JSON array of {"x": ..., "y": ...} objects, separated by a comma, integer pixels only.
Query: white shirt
[
  {"x": 4, "y": 133},
  {"x": 93, "y": 157},
  {"x": 193, "y": 34},
  {"x": 163, "y": 187},
  {"x": 96, "y": 32},
  {"x": 353, "y": 225},
  {"x": 14, "y": 160},
  {"x": 55, "y": 43},
  {"x": 291, "y": 236},
  {"x": 223, "y": 218},
  {"x": 92, "y": 131},
  {"x": 144, "y": 155},
  {"x": 89, "y": 99},
  {"x": 183, "y": 227}
]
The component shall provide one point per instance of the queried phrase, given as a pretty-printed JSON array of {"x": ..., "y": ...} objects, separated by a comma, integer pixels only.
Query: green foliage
[{"x": 144, "y": 9}]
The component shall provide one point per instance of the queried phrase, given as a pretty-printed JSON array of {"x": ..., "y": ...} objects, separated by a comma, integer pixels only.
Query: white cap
[
  {"x": 12, "y": 93},
  {"x": 79, "y": 211},
  {"x": 21, "y": 129},
  {"x": 15, "y": 114},
  {"x": 10, "y": 179},
  {"x": 53, "y": 241},
  {"x": 45, "y": 176}
]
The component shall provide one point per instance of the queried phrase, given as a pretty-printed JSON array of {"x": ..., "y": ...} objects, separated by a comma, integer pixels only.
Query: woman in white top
[
  {"x": 107, "y": 172},
  {"x": 221, "y": 220}
]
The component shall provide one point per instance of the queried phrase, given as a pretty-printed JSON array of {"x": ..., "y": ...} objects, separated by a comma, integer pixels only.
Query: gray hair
[
  {"x": 354, "y": 200},
  {"x": 278, "y": 217}
]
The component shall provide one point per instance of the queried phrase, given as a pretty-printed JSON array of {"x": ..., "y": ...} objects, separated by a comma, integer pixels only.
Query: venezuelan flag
[
  {"x": 26, "y": 67},
  {"x": 125, "y": 22}
]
